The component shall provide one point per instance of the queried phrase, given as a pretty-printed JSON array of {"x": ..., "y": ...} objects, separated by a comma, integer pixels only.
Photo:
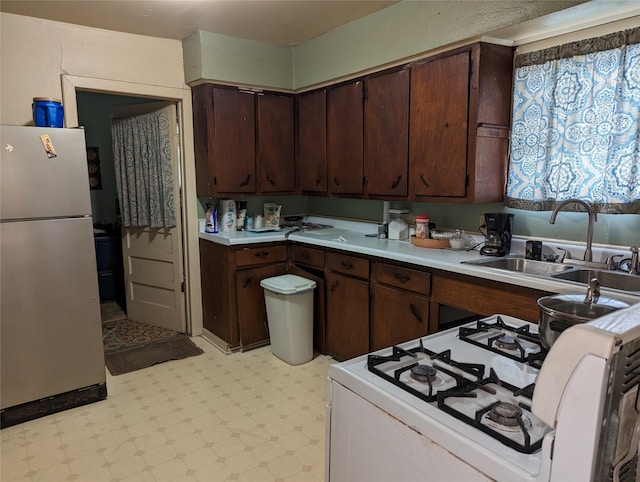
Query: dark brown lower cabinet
[
  {"x": 252, "y": 313},
  {"x": 397, "y": 316},
  {"x": 347, "y": 325},
  {"x": 361, "y": 303},
  {"x": 233, "y": 307},
  {"x": 485, "y": 297}
]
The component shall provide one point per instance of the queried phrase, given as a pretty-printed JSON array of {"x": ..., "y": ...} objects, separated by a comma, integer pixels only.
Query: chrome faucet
[{"x": 593, "y": 217}]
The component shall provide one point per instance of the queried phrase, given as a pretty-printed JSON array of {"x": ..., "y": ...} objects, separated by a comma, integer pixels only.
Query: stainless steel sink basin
[
  {"x": 608, "y": 279},
  {"x": 522, "y": 265}
]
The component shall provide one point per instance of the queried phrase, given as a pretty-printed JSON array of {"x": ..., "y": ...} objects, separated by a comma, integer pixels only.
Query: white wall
[
  {"x": 41, "y": 58},
  {"x": 35, "y": 53}
]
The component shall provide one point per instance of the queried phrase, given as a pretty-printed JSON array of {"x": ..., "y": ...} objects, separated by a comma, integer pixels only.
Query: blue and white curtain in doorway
[
  {"x": 576, "y": 125},
  {"x": 144, "y": 174}
]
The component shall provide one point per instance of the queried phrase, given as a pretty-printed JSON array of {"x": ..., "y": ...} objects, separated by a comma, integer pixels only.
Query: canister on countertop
[
  {"x": 398, "y": 227},
  {"x": 422, "y": 226},
  {"x": 258, "y": 223}
]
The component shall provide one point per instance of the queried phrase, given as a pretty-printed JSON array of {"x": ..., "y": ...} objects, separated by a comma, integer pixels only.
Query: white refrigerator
[{"x": 51, "y": 350}]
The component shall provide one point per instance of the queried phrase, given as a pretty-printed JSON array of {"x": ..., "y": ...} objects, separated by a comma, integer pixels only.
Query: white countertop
[{"x": 351, "y": 236}]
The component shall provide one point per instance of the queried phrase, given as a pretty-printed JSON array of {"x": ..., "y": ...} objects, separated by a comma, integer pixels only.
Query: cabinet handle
[
  {"x": 395, "y": 182},
  {"x": 403, "y": 278},
  {"x": 262, "y": 254},
  {"x": 318, "y": 180},
  {"x": 334, "y": 285},
  {"x": 247, "y": 281},
  {"x": 269, "y": 180},
  {"x": 424, "y": 181},
  {"x": 346, "y": 265},
  {"x": 415, "y": 312},
  {"x": 246, "y": 181},
  {"x": 335, "y": 181}
]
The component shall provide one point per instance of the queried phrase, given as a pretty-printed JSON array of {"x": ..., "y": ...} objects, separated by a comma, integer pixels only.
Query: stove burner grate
[
  {"x": 506, "y": 415},
  {"x": 374, "y": 363},
  {"x": 508, "y": 342}
]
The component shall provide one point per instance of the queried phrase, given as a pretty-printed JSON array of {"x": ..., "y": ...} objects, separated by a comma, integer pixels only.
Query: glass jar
[{"x": 422, "y": 226}]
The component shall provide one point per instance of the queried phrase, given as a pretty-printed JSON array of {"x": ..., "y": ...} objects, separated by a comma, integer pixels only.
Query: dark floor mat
[
  {"x": 136, "y": 358},
  {"x": 124, "y": 333}
]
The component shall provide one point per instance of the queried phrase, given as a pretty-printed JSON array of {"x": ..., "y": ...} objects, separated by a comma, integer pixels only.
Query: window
[{"x": 576, "y": 125}]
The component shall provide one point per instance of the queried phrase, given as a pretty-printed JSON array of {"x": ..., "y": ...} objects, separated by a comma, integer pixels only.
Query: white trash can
[{"x": 289, "y": 302}]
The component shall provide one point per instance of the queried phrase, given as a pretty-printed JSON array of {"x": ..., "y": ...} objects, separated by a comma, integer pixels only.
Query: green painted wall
[
  {"x": 231, "y": 60},
  {"x": 406, "y": 29}
]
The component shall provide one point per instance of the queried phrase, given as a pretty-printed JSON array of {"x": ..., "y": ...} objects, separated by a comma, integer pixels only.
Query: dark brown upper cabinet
[
  {"x": 345, "y": 138},
  {"x": 244, "y": 142},
  {"x": 225, "y": 144},
  {"x": 276, "y": 152},
  {"x": 312, "y": 142},
  {"x": 386, "y": 134},
  {"x": 459, "y": 125}
]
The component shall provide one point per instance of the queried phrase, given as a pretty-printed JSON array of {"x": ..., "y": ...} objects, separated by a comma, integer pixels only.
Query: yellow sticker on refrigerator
[{"x": 48, "y": 146}]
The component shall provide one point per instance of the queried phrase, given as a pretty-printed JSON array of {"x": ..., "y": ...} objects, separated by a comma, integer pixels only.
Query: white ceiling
[{"x": 279, "y": 22}]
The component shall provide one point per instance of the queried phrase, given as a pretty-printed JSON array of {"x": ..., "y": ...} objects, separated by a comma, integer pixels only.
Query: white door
[{"x": 153, "y": 267}]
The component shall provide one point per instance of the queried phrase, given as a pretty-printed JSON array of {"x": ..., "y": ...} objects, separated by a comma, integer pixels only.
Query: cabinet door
[
  {"x": 347, "y": 325},
  {"x": 202, "y": 97},
  {"x": 438, "y": 126},
  {"x": 219, "y": 310},
  {"x": 398, "y": 316},
  {"x": 252, "y": 313},
  {"x": 345, "y": 138},
  {"x": 234, "y": 141},
  {"x": 386, "y": 134},
  {"x": 275, "y": 158},
  {"x": 312, "y": 141}
]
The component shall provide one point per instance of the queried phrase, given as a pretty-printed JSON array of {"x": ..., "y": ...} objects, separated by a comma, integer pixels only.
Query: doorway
[
  {"x": 94, "y": 114},
  {"x": 181, "y": 96},
  {"x": 132, "y": 284}
]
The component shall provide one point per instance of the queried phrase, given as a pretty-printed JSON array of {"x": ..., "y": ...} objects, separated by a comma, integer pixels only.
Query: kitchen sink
[
  {"x": 608, "y": 279},
  {"x": 522, "y": 265}
]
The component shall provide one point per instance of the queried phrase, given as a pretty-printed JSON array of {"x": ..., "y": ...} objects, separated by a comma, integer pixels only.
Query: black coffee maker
[{"x": 497, "y": 230}]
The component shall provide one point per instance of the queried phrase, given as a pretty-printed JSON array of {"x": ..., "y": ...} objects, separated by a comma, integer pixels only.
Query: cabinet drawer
[
  {"x": 351, "y": 265},
  {"x": 308, "y": 256},
  {"x": 260, "y": 255},
  {"x": 404, "y": 278}
]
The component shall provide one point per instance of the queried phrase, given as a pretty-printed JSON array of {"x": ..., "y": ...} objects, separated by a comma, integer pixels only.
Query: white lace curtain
[
  {"x": 144, "y": 175},
  {"x": 576, "y": 125}
]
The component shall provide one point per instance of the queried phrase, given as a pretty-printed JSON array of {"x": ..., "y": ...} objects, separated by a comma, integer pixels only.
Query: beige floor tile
[{"x": 241, "y": 417}]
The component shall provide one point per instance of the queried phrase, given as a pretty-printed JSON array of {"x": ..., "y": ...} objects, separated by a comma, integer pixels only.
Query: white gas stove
[{"x": 485, "y": 401}]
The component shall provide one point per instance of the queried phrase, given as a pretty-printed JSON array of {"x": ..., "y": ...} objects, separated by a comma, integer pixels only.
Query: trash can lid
[{"x": 288, "y": 284}]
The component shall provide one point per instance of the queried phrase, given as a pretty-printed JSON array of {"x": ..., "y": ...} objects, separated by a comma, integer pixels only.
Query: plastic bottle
[{"x": 211, "y": 219}]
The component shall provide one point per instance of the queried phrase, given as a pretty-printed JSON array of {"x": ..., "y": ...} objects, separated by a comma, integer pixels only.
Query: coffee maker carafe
[{"x": 497, "y": 230}]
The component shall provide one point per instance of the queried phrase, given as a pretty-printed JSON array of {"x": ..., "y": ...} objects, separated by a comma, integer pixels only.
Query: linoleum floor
[{"x": 215, "y": 417}]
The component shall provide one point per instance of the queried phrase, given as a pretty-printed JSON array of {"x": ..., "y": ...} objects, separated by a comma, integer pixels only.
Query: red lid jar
[{"x": 422, "y": 226}]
